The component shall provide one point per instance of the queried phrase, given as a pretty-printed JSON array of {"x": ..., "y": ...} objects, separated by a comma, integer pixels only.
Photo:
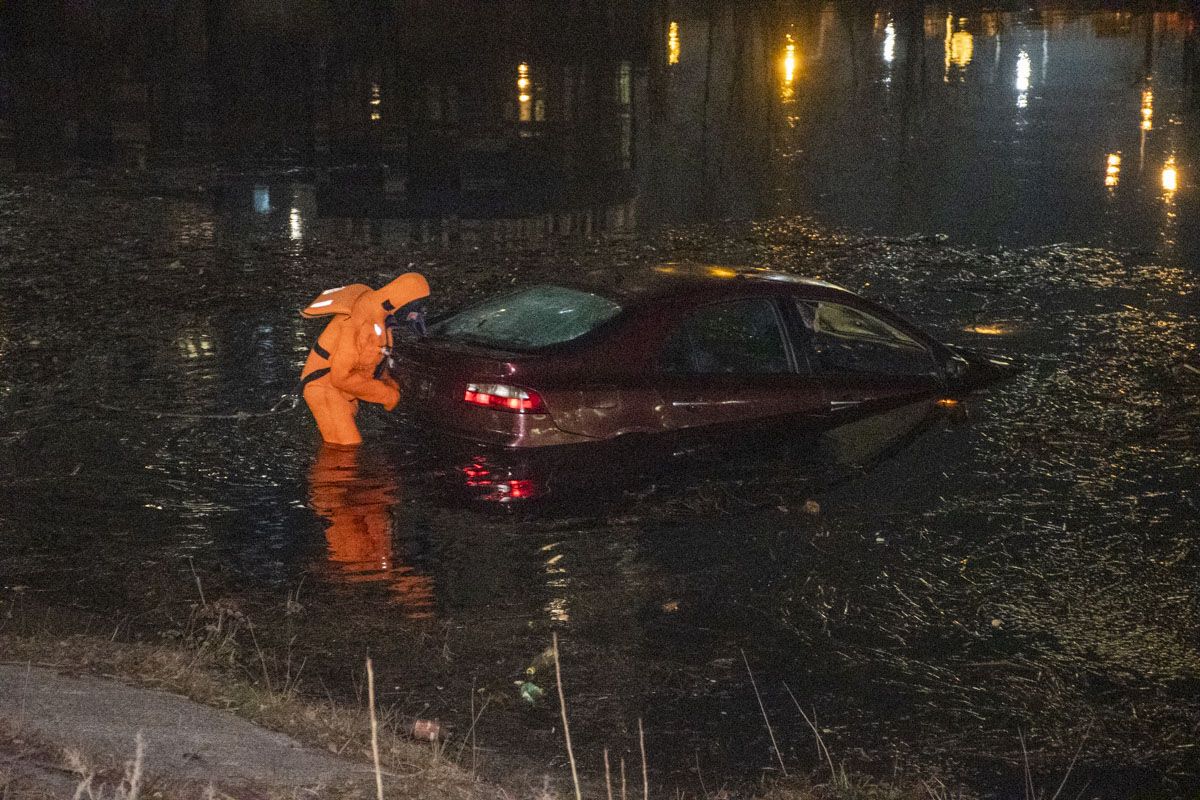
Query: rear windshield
[{"x": 529, "y": 319}]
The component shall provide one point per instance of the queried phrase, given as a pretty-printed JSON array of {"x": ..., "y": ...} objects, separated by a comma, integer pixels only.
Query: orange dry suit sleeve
[{"x": 352, "y": 365}]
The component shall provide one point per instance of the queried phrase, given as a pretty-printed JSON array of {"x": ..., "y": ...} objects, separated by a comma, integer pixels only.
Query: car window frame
[
  {"x": 777, "y": 304},
  {"x": 805, "y": 334}
]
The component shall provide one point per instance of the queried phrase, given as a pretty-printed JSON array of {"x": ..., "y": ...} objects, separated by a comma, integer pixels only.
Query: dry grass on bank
[
  {"x": 213, "y": 664},
  {"x": 201, "y": 667}
]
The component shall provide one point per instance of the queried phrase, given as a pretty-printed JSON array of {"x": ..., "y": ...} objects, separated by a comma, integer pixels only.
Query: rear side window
[
  {"x": 846, "y": 340},
  {"x": 529, "y": 319},
  {"x": 849, "y": 323},
  {"x": 738, "y": 338}
]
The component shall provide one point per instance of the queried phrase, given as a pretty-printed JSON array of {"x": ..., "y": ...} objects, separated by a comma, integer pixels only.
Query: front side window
[
  {"x": 845, "y": 339},
  {"x": 737, "y": 338},
  {"x": 528, "y": 320}
]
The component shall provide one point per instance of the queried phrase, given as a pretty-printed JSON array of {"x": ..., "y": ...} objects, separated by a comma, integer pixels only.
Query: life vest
[
  {"x": 337, "y": 303},
  {"x": 358, "y": 305}
]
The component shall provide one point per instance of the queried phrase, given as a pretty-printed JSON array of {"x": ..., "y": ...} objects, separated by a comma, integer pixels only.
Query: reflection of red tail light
[
  {"x": 496, "y": 487},
  {"x": 518, "y": 490},
  {"x": 510, "y": 491}
]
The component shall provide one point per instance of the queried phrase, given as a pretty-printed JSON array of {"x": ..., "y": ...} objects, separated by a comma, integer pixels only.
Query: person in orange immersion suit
[
  {"x": 357, "y": 500},
  {"x": 348, "y": 363}
]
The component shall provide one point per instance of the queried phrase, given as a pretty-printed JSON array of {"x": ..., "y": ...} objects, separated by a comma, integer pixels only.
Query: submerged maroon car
[{"x": 678, "y": 347}]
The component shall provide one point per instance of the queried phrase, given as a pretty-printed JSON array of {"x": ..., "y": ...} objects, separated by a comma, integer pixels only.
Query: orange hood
[
  {"x": 335, "y": 302},
  {"x": 397, "y": 294}
]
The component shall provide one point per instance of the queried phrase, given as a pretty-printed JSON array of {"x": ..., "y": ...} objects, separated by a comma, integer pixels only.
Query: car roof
[{"x": 641, "y": 285}]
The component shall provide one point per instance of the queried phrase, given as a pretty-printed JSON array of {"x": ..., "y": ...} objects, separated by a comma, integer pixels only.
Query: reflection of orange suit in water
[
  {"x": 358, "y": 508},
  {"x": 343, "y": 367}
]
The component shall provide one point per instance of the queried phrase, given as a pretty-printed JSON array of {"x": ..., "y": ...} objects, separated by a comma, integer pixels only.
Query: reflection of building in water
[
  {"x": 372, "y": 83},
  {"x": 959, "y": 46},
  {"x": 1112, "y": 24},
  {"x": 357, "y": 504},
  {"x": 490, "y": 115}
]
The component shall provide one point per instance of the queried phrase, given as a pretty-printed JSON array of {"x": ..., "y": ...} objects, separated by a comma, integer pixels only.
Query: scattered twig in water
[
  {"x": 700, "y": 775},
  {"x": 812, "y": 724},
  {"x": 607, "y": 776},
  {"x": 1071, "y": 766},
  {"x": 624, "y": 794},
  {"x": 645, "y": 772},
  {"x": 562, "y": 705},
  {"x": 762, "y": 708},
  {"x": 1028, "y": 774}
]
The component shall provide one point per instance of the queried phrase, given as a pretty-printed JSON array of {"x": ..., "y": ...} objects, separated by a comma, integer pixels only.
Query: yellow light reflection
[
  {"x": 1147, "y": 109},
  {"x": 673, "y": 43},
  {"x": 524, "y": 98},
  {"x": 376, "y": 101},
  {"x": 1112, "y": 170},
  {"x": 962, "y": 48},
  {"x": 958, "y": 46},
  {"x": 788, "y": 66},
  {"x": 722, "y": 272},
  {"x": 1170, "y": 177},
  {"x": 947, "y": 402},
  {"x": 993, "y": 329}
]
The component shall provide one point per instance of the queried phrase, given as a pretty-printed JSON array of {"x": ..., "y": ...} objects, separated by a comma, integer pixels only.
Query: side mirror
[{"x": 956, "y": 368}]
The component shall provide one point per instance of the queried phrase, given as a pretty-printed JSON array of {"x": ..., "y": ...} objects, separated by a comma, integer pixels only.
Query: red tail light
[{"x": 504, "y": 398}]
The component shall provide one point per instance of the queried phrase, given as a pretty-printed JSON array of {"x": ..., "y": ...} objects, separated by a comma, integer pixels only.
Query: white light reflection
[
  {"x": 1024, "y": 71},
  {"x": 889, "y": 43},
  {"x": 296, "y": 224}
]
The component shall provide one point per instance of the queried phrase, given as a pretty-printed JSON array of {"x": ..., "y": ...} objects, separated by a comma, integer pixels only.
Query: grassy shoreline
[{"x": 217, "y": 661}]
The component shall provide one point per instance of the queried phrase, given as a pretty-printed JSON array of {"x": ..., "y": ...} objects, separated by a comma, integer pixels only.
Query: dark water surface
[{"x": 1024, "y": 565}]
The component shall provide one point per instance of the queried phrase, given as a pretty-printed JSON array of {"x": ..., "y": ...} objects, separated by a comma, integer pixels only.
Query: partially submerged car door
[
  {"x": 864, "y": 362},
  {"x": 731, "y": 364}
]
